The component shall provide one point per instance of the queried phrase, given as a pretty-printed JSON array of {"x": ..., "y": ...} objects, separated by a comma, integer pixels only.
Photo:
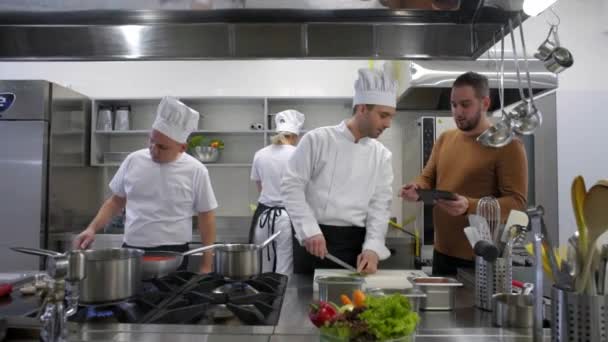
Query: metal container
[
  {"x": 122, "y": 121},
  {"x": 105, "y": 118},
  {"x": 332, "y": 287},
  {"x": 440, "y": 292},
  {"x": 490, "y": 279},
  {"x": 206, "y": 154},
  {"x": 103, "y": 275},
  {"x": 238, "y": 261},
  {"x": 414, "y": 295},
  {"x": 559, "y": 60},
  {"x": 578, "y": 317},
  {"x": 512, "y": 310},
  {"x": 111, "y": 275}
]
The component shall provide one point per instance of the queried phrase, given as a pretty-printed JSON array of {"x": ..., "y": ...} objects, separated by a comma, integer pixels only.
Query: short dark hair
[
  {"x": 369, "y": 107},
  {"x": 478, "y": 82}
]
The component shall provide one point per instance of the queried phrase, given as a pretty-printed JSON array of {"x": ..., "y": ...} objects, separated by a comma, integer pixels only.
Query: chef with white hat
[
  {"x": 270, "y": 216},
  {"x": 337, "y": 186},
  {"x": 161, "y": 188}
]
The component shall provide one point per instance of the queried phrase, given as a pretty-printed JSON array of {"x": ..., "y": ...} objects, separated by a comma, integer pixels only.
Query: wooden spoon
[
  {"x": 578, "y": 201},
  {"x": 596, "y": 218}
]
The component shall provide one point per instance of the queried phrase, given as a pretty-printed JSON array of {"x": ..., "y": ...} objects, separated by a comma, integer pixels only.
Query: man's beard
[{"x": 469, "y": 125}]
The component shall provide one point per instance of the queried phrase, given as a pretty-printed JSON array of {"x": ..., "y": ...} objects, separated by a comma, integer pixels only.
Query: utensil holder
[
  {"x": 578, "y": 317},
  {"x": 491, "y": 278}
]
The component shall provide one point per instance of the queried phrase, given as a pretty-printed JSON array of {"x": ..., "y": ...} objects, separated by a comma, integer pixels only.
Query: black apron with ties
[
  {"x": 345, "y": 243},
  {"x": 167, "y": 248},
  {"x": 267, "y": 217}
]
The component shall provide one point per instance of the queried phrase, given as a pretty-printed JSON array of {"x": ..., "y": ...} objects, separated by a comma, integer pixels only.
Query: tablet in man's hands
[{"x": 429, "y": 196}]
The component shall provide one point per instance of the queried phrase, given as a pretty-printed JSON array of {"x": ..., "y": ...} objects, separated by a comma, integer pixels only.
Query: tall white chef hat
[
  {"x": 175, "y": 120},
  {"x": 375, "y": 87},
  {"x": 289, "y": 121}
]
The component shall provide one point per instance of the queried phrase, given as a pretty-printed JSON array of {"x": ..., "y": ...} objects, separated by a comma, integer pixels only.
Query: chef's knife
[{"x": 341, "y": 263}]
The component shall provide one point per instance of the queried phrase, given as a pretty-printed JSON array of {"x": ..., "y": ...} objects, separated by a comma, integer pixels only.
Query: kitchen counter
[{"x": 464, "y": 323}]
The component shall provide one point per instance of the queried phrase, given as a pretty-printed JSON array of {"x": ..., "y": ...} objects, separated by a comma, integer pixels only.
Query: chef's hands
[
  {"x": 367, "y": 262},
  {"x": 408, "y": 192},
  {"x": 84, "y": 239},
  {"x": 456, "y": 207},
  {"x": 316, "y": 245}
]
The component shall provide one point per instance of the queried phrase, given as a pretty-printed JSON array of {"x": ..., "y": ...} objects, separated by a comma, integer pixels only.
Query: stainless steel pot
[
  {"x": 104, "y": 275},
  {"x": 240, "y": 261},
  {"x": 513, "y": 310},
  {"x": 111, "y": 275}
]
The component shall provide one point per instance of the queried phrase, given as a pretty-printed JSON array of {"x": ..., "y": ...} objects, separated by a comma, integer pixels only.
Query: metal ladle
[
  {"x": 526, "y": 117},
  {"x": 501, "y": 133}
]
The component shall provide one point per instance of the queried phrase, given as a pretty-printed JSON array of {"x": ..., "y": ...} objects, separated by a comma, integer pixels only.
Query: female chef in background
[{"x": 270, "y": 216}]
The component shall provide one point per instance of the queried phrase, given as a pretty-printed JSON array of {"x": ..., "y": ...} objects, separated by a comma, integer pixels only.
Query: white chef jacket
[
  {"x": 162, "y": 198},
  {"x": 332, "y": 180},
  {"x": 268, "y": 166}
]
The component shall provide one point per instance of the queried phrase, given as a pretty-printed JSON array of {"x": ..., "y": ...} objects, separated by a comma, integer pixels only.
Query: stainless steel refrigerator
[{"x": 29, "y": 112}]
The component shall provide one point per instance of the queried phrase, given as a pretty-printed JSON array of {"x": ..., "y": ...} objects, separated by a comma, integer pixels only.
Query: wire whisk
[{"x": 489, "y": 208}]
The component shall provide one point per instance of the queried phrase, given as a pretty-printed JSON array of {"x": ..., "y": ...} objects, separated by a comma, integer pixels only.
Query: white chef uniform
[
  {"x": 163, "y": 197},
  {"x": 334, "y": 181},
  {"x": 270, "y": 217}
]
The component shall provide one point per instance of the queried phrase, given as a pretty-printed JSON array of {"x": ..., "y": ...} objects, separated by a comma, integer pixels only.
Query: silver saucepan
[
  {"x": 240, "y": 261},
  {"x": 232, "y": 260},
  {"x": 161, "y": 263},
  {"x": 104, "y": 275}
]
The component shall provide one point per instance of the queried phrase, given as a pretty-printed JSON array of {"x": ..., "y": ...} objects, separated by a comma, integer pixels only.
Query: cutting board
[{"x": 384, "y": 279}]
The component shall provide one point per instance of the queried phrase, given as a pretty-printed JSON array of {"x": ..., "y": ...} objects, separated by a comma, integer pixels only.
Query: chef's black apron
[
  {"x": 344, "y": 243},
  {"x": 268, "y": 219},
  {"x": 168, "y": 248}
]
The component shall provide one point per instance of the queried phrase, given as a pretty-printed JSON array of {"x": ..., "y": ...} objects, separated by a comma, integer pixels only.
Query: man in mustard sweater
[{"x": 460, "y": 164}]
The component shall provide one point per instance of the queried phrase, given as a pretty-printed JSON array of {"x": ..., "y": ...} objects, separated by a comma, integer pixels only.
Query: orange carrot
[
  {"x": 345, "y": 300},
  {"x": 359, "y": 298}
]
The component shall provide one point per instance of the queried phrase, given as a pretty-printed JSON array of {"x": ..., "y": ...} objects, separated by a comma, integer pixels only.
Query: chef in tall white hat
[
  {"x": 161, "y": 188},
  {"x": 267, "y": 170},
  {"x": 337, "y": 186}
]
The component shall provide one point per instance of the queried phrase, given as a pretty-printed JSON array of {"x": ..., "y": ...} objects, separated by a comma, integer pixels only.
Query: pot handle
[
  {"x": 76, "y": 266},
  {"x": 201, "y": 249},
  {"x": 269, "y": 240},
  {"x": 36, "y": 251}
]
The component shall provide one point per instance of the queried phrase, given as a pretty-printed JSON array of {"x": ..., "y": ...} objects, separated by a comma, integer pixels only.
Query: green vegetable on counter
[
  {"x": 389, "y": 317},
  {"x": 337, "y": 329}
]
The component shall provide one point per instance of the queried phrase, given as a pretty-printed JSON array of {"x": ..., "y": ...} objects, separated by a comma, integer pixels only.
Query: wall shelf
[{"x": 229, "y": 119}]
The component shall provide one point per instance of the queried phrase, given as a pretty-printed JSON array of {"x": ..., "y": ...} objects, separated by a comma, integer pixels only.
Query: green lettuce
[
  {"x": 389, "y": 317},
  {"x": 340, "y": 329}
]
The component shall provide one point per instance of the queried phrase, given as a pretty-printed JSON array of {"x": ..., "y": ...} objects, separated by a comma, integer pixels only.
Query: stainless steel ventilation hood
[
  {"x": 462, "y": 34},
  {"x": 431, "y": 81}
]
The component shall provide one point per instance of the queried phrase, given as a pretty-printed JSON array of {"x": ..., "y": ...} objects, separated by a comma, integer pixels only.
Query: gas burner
[
  {"x": 190, "y": 298},
  {"x": 92, "y": 313},
  {"x": 236, "y": 289}
]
